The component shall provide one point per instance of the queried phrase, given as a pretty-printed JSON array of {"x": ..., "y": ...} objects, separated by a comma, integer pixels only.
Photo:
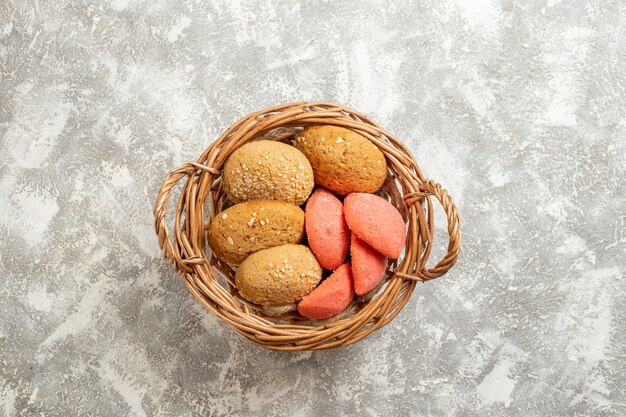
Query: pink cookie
[
  {"x": 375, "y": 221},
  {"x": 328, "y": 233},
  {"x": 368, "y": 266},
  {"x": 331, "y": 297}
]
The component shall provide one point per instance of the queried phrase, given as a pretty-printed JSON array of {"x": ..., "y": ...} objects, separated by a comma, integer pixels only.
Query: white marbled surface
[{"x": 518, "y": 108}]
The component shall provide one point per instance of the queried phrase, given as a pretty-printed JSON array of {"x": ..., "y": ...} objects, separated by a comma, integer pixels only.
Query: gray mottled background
[{"x": 518, "y": 108}]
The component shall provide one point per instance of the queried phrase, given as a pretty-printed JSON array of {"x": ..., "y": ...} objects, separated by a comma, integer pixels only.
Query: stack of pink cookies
[{"x": 366, "y": 226}]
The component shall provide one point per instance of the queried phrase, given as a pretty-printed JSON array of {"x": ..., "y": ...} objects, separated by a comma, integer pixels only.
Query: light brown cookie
[
  {"x": 269, "y": 170},
  {"x": 343, "y": 161},
  {"x": 279, "y": 275},
  {"x": 248, "y": 227}
]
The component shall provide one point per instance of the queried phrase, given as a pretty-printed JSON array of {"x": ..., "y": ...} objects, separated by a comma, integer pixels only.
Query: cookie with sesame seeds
[
  {"x": 343, "y": 161},
  {"x": 253, "y": 225},
  {"x": 278, "y": 276},
  {"x": 269, "y": 170}
]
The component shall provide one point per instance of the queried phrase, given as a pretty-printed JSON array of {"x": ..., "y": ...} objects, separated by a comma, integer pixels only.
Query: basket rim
[{"x": 186, "y": 249}]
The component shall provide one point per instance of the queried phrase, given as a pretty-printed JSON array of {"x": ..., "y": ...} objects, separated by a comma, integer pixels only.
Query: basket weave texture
[{"x": 211, "y": 281}]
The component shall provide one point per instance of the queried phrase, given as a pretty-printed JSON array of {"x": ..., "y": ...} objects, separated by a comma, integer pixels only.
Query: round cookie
[
  {"x": 279, "y": 275},
  {"x": 269, "y": 170},
  {"x": 343, "y": 161},
  {"x": 253, "y": 225}
]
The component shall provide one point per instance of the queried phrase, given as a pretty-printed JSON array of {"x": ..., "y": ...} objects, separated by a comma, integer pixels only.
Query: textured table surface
[{"x": 518, "y": 108}]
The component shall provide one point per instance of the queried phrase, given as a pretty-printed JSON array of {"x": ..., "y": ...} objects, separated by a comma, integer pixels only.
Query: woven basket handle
[
  {"x": 160, "y": 211},
  {"x": 431, "y": 188}
]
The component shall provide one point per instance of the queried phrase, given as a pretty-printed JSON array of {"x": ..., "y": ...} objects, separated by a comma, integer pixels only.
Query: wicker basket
[{"x": 211, "y": 281}]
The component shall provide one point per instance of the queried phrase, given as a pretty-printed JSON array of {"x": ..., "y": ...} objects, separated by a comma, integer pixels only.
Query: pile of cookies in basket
[{"x": 315, "y": 261}]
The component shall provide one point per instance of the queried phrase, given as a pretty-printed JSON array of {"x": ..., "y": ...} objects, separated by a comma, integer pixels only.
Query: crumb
[
  {"x": 339, "y": 140},
  {"x": 230, "y": 240},
  {"x": 224, "y": 215}
]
